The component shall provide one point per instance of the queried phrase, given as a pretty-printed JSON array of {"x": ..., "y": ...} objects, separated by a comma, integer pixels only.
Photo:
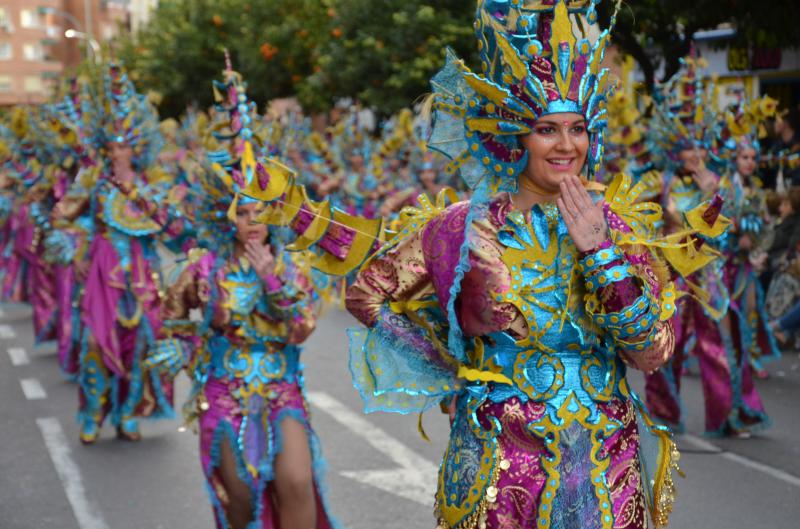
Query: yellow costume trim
[
  {"x": 474, "y": 375},
  {"x": 120, "y": 211},
  {"x": 550, "y": 433},
  {"x": 133, "y": 321},
  {"x": 663, "y": 485}
]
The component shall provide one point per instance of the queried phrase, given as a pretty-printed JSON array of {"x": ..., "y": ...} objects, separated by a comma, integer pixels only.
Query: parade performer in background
[
  {"x": 261, "y": 459},
  {"x": 683, "y": 127},
  {"x": 28, "y": 276},
  {"x": 11, "y": 290},
  {"x": 737, "y": 149},
  {"x": 65, "y": 132},
  {"x": 120, "y": 309},
  {"x": 522, "y": 309}
]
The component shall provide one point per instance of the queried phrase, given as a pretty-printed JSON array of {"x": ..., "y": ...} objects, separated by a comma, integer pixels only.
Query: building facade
[
  {"x": 755, "y": 71},
  {"x": 26, "y": 51},
  {"x": 34, "y": 50}
]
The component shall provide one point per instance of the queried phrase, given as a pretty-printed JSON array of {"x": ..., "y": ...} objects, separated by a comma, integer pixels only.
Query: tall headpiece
[
  {"x": 742, "y": 124},
  {"x": 684, "y": 111},
  {"x": 115, "y": 112},
  {"x": 537, "y": 59},
  {"x": 63, "y": 125},
  {"x": 239, "y": 163},
  {"x": 27, "y": 155}
]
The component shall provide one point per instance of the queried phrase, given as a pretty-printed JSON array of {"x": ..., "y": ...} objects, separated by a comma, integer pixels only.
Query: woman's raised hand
[
  {"x": 585, "y": 220},
  {"x": 260, "y": 257}
]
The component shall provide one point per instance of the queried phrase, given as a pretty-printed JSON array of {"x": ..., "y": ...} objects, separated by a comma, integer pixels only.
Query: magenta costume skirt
[
  {"x": 732, "y": 403},
  {"x": 256, "y": 440},
  {"x": 517, "y": 495}
]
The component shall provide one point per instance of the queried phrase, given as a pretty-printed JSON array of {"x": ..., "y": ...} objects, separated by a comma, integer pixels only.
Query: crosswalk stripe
[
  {"x": 413, "y": 477},
  {"x": 6, "y": 331},
  {"x": 68, "y": 471},
  {"x": 33, "y": 389},
  {"x": 18, "y": 355},
  {"x": 744, "y": 461}
]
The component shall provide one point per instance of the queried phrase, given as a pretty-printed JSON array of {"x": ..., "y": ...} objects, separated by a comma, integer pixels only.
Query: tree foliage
[
  {"x": 388, "y": 50},
  {"x": 273, "y": 43},
  {"x": 383, "y": 52}
]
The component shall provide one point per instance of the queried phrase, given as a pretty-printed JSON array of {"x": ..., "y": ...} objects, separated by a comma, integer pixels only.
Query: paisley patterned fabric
[
  {"x": 545, "y": 433},
  {"x": 246, "y": 370}
]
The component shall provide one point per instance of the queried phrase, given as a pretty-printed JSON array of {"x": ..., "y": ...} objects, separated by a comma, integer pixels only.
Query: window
[
  {"x": 4, "y": 21},
  {"x": 33, "y": 52},
  {"x": 29, "y": 18},
  {"x": 5, "y": 84},
  {"x": 33, "y": 83},
  {"x": 6, "y": 51}
]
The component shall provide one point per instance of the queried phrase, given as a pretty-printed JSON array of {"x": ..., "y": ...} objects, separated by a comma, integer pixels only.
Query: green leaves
[{"x": 380, "y": 52}]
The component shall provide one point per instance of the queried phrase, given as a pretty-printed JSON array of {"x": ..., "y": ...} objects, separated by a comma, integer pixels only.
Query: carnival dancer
[
  {"x": 261, "y": 459},
  {"x": 523, "y": 308},
  {"x": 683, "y": 128},
  {"x": 7, "y": 200},
  {"x": 739, "y": 148},
  {"x": 28, "y": 276},
  {"x": 120, "y": 307},
  {"x": 65, "y": 133}
]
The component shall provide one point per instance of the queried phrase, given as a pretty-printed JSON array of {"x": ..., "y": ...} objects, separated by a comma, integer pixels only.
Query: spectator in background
[
  {"x": 787, "y": 228},
  {"x": 788, "y": 322},
  {"x": 783, "y": 272},
  {"x": 787, "y": 131}
]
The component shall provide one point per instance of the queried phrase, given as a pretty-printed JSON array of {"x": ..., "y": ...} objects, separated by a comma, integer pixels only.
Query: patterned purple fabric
[
  {"x": 105, "y": 283},
  {"x": 64, "y": 282},
  {"x": 732, "y": 403},
  {"x": 223, "y": 420},
  {"x": 37, "y": 276},
  {"x": 520, "y": 486},
  {"x": 20, "y": 234}
]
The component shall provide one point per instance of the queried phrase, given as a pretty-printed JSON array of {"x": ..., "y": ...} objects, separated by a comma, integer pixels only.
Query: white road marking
[
  {"x": 33, "y": 389},
  {"x": 6, "y": 331},
  {"x": 87, "y": 516},
  {"x": 19, "y": 357},
  {"x": 742, "y": 460},
  {"x": 414, "y": 478},
  {"x": 700, "y": 443},
  {"x": 761, "y": 467}
]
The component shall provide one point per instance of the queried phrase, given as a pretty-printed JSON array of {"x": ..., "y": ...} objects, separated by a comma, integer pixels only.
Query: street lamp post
[
  {"x": 90, "y": 42},
  {"x": 92, "y": 46}
]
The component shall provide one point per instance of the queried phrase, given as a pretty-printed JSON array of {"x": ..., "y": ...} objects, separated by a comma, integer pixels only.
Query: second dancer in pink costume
[
  {"x": 260, "y": 456},
  {"x": 712, "y": 326},
  {"x": 128, "y": 206}
]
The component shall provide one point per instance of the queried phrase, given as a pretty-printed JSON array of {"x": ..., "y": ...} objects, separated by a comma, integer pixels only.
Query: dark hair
[
  {"x": 773, "y": 201},
  {"x": 793, "y": 195}
]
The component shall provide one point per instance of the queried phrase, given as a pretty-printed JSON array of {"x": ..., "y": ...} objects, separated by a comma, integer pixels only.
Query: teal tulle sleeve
[{"x": 398, "y": 366}]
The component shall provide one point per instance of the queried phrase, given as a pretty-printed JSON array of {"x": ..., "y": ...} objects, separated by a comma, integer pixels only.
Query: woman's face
[
  {"x": 427, "y": 177},
  {"x": 557, "y": 148},
  {"x": 693, "y": 160},
  {"x": 247, "y": 229},
  {"x": 121, "y": 154},
  {"x": 746, "y": 161}
]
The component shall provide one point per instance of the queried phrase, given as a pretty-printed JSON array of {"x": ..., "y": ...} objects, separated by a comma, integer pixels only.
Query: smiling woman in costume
[{"x": 521, "y": 309}]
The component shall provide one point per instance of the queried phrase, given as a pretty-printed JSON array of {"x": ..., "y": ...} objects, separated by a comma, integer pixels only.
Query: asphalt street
[{"x": 381, "y": 474}]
